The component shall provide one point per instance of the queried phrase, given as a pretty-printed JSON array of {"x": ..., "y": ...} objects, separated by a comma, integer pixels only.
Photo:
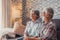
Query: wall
[
  {"x": 40, "y": 4},
  {"x": 32, "y": 4}
]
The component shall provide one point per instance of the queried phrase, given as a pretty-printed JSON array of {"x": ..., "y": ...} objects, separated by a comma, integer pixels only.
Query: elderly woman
[{"x": 48, "y": 31}]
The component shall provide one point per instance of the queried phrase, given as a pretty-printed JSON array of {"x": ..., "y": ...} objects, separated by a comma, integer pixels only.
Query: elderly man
[
  {"x": 33, "y": 27},
  {"x": 48, "y": 31}
]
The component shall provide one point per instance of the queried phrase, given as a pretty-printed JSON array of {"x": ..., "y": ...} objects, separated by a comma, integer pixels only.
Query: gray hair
[{"x": 49, "y": 11}]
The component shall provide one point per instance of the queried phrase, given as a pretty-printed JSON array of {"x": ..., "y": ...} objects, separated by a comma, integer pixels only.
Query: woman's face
[
  {"x": 45, "y": 16},
  {"x": 32, "y": 16}
]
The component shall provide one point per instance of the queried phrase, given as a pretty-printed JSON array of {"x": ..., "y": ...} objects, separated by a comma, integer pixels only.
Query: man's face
[{"x": 32, "y": 16}]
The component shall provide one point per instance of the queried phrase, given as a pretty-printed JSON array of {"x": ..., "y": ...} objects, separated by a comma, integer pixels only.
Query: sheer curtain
[{"x": 0, "y": 13}]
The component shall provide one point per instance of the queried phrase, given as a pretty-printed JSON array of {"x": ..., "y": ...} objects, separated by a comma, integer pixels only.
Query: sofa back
[{"x": 57, "y": 21}]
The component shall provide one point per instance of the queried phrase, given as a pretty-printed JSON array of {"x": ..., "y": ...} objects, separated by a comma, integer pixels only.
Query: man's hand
[
  {"x": 32, "y": 38},
  {"x": 26, "y": 38}
]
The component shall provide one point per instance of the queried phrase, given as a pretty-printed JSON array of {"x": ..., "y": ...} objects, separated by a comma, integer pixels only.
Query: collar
[
  {"x": 37, "y": 21},
  {"x": 50, "y": 21}
]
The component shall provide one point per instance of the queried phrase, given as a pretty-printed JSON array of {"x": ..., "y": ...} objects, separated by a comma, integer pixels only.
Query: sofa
[
  {"x": 58, "y": 28},
  {"x": 57, "y": 21}
]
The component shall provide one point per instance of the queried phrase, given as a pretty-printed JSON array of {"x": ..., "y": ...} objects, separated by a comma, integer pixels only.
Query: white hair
[{"x": 48, "y": 10}]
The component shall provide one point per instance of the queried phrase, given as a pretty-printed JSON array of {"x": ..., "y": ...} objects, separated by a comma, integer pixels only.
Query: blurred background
[{"x": 12, "y": 9}]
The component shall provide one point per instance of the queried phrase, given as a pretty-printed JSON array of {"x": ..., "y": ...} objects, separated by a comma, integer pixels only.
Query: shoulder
[
  {"x": 40, "y": 19},
  {"x": 52, "y": 24},
  {"x": 29, "y": 22}
]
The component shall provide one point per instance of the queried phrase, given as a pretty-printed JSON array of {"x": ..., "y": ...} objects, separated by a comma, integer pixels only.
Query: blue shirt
[{"x": 33, "y": 28}]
